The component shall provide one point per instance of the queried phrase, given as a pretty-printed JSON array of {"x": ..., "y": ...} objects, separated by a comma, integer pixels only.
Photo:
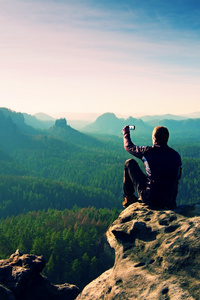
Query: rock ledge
[{"x": 157, "y": 256}]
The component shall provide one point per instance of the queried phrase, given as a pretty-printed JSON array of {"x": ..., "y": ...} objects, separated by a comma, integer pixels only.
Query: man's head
[{"x": 160, "y": 135}]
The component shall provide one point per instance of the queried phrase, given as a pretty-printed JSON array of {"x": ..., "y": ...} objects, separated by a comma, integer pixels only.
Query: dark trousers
[{"x": 134, "y": 179}]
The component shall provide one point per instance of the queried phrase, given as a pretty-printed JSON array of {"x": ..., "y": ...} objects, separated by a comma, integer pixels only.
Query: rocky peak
[
  {"x": 61, "y": 123},
  {"x": 20, "y": 279},
  {"x": 156, "y": 256}
]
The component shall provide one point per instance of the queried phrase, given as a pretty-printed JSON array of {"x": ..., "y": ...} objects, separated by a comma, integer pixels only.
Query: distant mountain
[
  {"x": 108, "y": 123},
  {"x": 14, "y": 130},
  {"x": 184, "y": 127},
  {"x": 16, "y": 117},
  {"x": 162, "y": 117},
  {"x": 147, "y": 118},
  {"x": 77, "y": 121},
  {"x": 66, "y": 133},
  {"x": 43, "y": 117},
  {"x": 19, "y": 120},
  {"x": 28, "y": 122},
  {"x": 14, "y": 135},
  {"x": 44, "y": 122},
  {"x": 195, "y": 115}
]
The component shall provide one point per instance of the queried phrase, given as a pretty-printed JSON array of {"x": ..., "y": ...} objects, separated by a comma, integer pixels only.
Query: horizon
[
  {"x": 91, "y": 117},
  {"x": 87, "y": 57}
]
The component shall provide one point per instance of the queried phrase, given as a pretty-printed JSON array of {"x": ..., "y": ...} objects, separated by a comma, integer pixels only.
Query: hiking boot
[{"x": 128, "y": 200}]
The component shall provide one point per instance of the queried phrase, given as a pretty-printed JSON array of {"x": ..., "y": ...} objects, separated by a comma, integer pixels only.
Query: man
[{"x": 159, "y": 187}]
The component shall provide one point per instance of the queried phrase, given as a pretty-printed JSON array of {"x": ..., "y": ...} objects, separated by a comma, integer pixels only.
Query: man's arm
[{"x": 129, "y": 146}]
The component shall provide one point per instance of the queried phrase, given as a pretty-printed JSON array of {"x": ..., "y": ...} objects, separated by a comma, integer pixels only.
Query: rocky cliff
[
  {"x": 157, "y": 256},
  {"x": 20, "y": 279}
]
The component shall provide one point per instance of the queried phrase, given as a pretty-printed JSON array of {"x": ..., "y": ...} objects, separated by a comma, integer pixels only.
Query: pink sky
[{"x": 74, "y": 57}]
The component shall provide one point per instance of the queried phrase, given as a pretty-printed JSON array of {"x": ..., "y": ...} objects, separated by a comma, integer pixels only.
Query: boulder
[
  {"x": 157, "y": 256},
  {"x": 20, "y": 279}
]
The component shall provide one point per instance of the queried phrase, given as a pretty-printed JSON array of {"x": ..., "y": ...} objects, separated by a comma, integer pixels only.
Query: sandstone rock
[
  {"x": 20, "y": 279},
  {"x": 157, "y": 256}
]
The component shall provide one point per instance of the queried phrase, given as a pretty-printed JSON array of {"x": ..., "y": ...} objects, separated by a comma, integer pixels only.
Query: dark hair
[{"x": 161, "y": 135}]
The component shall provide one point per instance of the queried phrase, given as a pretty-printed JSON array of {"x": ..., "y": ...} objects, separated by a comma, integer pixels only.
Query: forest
[
  {"x": 72, "y": 242},
  {"x": 60, "y": 189}
]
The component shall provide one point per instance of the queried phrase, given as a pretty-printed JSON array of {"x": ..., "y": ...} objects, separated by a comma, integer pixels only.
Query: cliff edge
[{"x": 157, "y": 256}]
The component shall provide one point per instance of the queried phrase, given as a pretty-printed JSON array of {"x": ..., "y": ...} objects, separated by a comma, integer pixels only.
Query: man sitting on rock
[{"x": 159, "y": 187}]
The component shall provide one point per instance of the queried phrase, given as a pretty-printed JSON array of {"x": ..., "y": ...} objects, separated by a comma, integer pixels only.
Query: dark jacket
[{"x": 163, "y": 168}]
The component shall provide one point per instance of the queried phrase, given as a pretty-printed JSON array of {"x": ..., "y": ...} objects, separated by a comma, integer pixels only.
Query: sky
[{"x": 129, "y": 57}]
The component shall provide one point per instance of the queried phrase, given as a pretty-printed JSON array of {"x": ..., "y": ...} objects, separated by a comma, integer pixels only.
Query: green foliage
[
  {"x": 72, "y": 241},
  {"x": 189, "y": 189},
  {"x": 61, "y": 167},
  {"x": 46, "y": 175},
  {"x": 20, "y": 194}
]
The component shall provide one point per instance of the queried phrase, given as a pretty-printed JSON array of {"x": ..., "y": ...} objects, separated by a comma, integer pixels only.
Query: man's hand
[{"x": 126, "y": 129}]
